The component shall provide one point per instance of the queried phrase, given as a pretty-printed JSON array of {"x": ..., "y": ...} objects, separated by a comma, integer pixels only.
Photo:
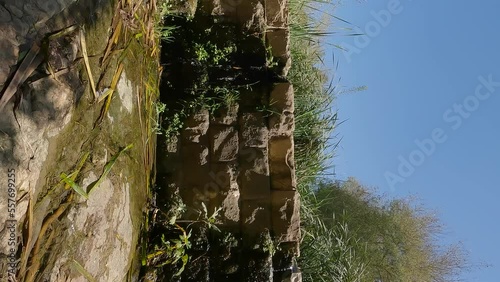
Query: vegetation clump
[
  {"x": 359, "y": 236},
  {"x": 349, "y": 233}
]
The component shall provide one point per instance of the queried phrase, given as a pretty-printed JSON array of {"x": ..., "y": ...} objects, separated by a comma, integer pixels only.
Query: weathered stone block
[
  {"x": 195, "y": 161},
  {"x": 290, "y": 248},
  {"x": 286, "y": 254},
  {"x": 288, "y": 276},
  {"x": 279, "y": 41},
  {"x": 225, "y": 257},
  {"x": 229, "y": 202},
  {"x": 255, "y": 185},
  {"x": 249, "y": 13},
  {"x": 224, "y": 181},
  {"x": 253, "y": 130},
  {"x": 185, "y": 8},
  {"x": 195, "y": 127},
  {"x": 195, "y": 176},
  {"x": 281, "y": 149},
  {"x": 223, "y": 143},
  {"x": 224, "y": 175},
  {"x": 281, "y": 98},
  {"x": 277, "y": 13},
  {"x": 254, "y": 174},
  {"x": 255, "y": 217},
  {"x": 225, "y": 116},
  {"x": 285, "y": 263},
  {"x": 194, "y": 197},
  {"x": 258, "y": 266},
  {"x": 257, "y": 96},
  {"x": 281, "y": 125},
  {"x": 286, "y": 215},
  {"x": 168, "y": 153},
  {"x": 281, "y": 163},
  {"x": 284, "y": 182}
]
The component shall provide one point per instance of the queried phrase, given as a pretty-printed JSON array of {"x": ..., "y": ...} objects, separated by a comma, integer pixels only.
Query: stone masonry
[{"x": 242, "y": 160}]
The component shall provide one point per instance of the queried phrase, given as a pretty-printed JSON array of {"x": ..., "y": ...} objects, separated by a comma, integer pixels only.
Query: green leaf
[
  {"x": 73, "y": 185},
  {"x": 107, "y": 169}
]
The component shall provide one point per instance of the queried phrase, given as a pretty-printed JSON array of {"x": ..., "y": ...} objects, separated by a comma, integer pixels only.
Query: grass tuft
[{"x": 326, "y": 254}]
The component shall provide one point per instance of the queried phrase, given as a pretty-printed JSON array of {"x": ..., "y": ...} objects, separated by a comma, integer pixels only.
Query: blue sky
[{"x": 422, "y": 67}]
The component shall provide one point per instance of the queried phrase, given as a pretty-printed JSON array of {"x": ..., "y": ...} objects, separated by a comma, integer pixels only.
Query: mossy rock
[{"x": 184, "y": 7}]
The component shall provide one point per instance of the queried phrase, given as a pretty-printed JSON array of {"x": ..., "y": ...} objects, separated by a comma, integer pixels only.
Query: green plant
[
  {"x": 173, "y": 251},
  {"x": 331, "y": 254},
  {"x": 175, "y": 125},
  {"x": 209, "y": 220},
  {"x": 159, "y": 109},
  {"x": 165, "y": 33},
  {"x": 393, "y": 239},
  {"x": 269, "y": 245},
  {"x": 211, "y": 98},
  {"x": 314, "y": 94},
  {"x": 164, "y": 9},
  {"x": 229, "y": 240},
  {"x": 328, "y": 253},
  {"x": 173, "y": 121},
  {"x": 271, "y": 61},
  {"x": 211, "y": 54}
]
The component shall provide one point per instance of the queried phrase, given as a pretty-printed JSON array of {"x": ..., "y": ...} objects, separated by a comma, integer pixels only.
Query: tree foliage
[{"x": 364, "y": 237}]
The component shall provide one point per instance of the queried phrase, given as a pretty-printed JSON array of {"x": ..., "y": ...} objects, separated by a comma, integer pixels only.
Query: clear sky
[{"x": 426, "y": 124}]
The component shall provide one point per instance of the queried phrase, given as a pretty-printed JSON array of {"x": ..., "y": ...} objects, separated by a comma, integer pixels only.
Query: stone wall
[{"x": 241, "y": 159}]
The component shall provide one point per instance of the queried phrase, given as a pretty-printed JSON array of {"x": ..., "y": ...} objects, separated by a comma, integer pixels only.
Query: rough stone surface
[
  {"x": 285, "y": 215},
  {"x": 224, "y": 179},
  {"x": 226, "y": 116},
  {"x": 281, "y": 125},
  {"x": 281, "y": 163},
  {"x": 184, "y": 7},
  {"x": 25, "y": 146},
  {"x": 253, "y": 130},
  {"x": 279, "y": 41},
  {"x": 230, "y": 207},
  {"x": 196, "y": 188},
  {"x": 255, "y": 217},
  {"x": 223, "y": 143},
  {"x": 248, "y": 13},
  {"x": 195, "y": 157},
  {"x": 259, "y": 267},
  {"x": 254, "y": 175},
  {"x": 281, "y": 98},
  {"x": 47, "y": 136},
  {"x": 277, "y": 13},
  {"x": 195, "y": 127},
  {"x": 92, "y": 233},
  {"x": 224, "y": 175}
]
